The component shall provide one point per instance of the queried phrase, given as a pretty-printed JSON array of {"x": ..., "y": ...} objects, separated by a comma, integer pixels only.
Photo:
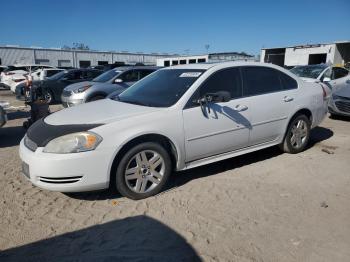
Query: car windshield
[
  {"x": 308, "y": 71},
  {"x": 163, "y": 88},
  {"x": 58, "y": 75},
  {"x": 106, "y": 76}
]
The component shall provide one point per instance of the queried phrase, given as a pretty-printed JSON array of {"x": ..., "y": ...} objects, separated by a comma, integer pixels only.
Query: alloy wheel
[
  {"x": 144, "y": 171},
  {"x": 298, "y": 134}
]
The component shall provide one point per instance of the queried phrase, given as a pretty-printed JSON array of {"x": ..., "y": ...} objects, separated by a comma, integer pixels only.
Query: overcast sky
[{"x": 173, "y": 26}]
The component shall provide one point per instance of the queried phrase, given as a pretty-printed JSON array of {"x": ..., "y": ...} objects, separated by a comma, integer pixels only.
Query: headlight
[
  {"x": 73, "y": 143},
  {"x": 82, "y": 89}
]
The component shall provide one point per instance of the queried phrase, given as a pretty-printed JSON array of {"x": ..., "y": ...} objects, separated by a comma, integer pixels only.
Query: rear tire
[
  {"x": 297, "y": 135},
  {"x": 143, "y": 171}
]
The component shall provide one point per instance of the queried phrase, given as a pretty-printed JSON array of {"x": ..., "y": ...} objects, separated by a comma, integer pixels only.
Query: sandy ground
[{"x": 264, "y": 206}]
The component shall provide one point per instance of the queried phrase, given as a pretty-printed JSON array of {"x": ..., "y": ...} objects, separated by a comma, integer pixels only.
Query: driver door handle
[
  {"x": 288, "y": 99},
  {"x": 347, "y": 81},
  {"x": 240, "y": 108}
]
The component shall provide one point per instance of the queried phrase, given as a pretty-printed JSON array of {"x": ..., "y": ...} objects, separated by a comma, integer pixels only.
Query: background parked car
[
  {"x": 115, "y": 80},
  {"x": 339, "y": 103},
  {"x": 13, "y": 75},
  {"x": 54, "y": 85},
  {"x": 43, "y": 74},
  {"x": 3, "y": 116},
  {"x": 335, "y": 77}
]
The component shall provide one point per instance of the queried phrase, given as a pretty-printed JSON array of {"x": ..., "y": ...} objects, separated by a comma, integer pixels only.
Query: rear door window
[
  {"x": 52, "y": 72},
  {"x": 259, "y": 80}
]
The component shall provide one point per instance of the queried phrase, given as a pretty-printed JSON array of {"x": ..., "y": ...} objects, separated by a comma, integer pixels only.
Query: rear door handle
[
  {"x": 240, "y": 108},
  {"x": 347, "y": 81},
  {"x": 288, "y": 99}
]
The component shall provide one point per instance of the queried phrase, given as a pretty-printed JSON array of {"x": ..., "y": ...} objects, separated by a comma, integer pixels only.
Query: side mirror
[
  {"x": 217, "y": 97},
  {"x": 326, "y": 79},
  {"x": 220, "y": 96},
  {"x": 118, "y": 80}
]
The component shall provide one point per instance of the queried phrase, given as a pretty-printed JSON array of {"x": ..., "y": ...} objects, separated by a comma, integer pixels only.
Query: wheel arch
[
  {"x": 168, "y": 144},
  {"x": 302, "y": 111}
]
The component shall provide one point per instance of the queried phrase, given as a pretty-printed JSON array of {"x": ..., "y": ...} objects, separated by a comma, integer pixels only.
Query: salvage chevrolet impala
[{"x": 174, "y": 119}]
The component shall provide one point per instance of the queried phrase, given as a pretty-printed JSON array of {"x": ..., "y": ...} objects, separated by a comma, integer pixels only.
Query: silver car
[
  {"x": 339, "y": 103},
  {"x": 117, "y": 79}
]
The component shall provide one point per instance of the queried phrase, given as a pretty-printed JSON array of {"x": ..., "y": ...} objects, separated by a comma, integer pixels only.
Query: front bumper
[
  {"x": 339, "y": 106},
  {"x": 78, "y": 172}
]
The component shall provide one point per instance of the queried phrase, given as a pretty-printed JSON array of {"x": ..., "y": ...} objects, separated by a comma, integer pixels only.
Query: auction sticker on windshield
[{"x": 191, "y": 74}]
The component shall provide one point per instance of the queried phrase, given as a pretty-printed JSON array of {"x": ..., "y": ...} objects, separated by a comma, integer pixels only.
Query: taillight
[
  {"x": 9, "y": 73},
  {"x": 18, "y": 80}
]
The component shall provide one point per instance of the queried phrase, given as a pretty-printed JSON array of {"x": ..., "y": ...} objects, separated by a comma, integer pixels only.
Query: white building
[
  {"x": 10, "y": 55},
  {"x": 337, "y": 53},
  {"x": 213, "y": 57}
]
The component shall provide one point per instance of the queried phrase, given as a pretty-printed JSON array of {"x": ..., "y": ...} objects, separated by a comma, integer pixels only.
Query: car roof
[
  {"x": 124, "y": 68},
  {"x": 206, "y": 66}
]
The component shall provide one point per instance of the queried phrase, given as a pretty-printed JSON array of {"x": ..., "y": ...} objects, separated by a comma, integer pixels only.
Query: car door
[
  {"x": 70, "y": 78},
  {"x": 271, "y": 95},
  {"x": 217, "y": 127},
  {"x": 340, "y": 78}
]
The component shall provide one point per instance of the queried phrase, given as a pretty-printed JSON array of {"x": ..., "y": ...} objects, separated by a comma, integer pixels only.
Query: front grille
[
  {"x": 343, "y": 106},
  {"x": 31, "y": 145},
  {"x": 60, "y": 180},
  {"x": 66, "y": 93}
]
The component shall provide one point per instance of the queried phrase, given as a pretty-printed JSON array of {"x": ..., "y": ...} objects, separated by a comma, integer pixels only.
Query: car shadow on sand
[
  {"x": 318, "y": 134},
  {"x": 341, "y": 118},
  {"x": 138, "y": 238},
  {"x": 11, "y": 135}
]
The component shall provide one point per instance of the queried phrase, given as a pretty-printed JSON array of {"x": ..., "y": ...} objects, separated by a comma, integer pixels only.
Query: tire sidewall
[
  {"x": 120, "y": 182},
  {"x": 290, "y": 148}
]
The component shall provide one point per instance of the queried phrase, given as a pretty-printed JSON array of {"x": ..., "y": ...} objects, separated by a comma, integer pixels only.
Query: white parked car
[
  {"x": 16, "y": 74},
  {"x": 174, "y": 119},
  {"x": 44, "y": 73},
  {"x": 335, "y": 77}
]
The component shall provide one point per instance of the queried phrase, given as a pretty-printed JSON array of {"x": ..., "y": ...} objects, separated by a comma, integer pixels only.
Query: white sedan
[{"x": 174, "y": 119}]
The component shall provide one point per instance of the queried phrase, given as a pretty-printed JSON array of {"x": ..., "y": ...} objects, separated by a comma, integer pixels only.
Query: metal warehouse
[
  {"x": 10, "y": 55},
  {"x": 213, "y": 57},
  {"x": 337, "y": 53}
]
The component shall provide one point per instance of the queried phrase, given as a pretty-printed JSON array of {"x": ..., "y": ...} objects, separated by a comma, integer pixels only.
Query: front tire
[
  {"x": 49, "y": 97},
  {"x": 297, "y": 136},
  {"x": 143, "y": 171}
]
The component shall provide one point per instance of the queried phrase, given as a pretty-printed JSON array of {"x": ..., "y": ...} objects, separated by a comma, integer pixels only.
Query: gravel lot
[{"x": 264, "y": 206}]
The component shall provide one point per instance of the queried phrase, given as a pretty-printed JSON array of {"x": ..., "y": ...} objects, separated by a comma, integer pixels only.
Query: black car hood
[{"x": 42, "y": 133}]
